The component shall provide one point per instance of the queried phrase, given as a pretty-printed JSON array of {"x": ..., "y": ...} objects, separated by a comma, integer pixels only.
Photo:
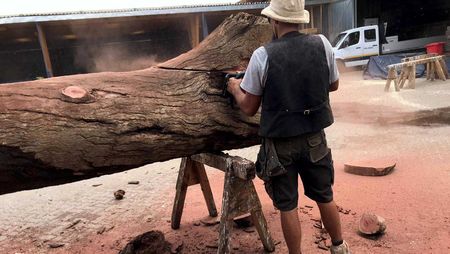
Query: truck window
[
  {"x": 353, "y": 38},
  {"x": 338, "y": 39},
  {"x": 370, "y": 35}
]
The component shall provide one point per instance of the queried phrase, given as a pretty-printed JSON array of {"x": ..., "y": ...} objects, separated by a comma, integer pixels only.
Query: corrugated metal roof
[
  {"x": 113, "y": 13},
  {"x": 77, "y": 15}
]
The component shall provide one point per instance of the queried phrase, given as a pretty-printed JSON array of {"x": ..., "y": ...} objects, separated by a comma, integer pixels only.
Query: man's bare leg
[
  {"x": 331, "y": 220},
  {"x": 292, "y": 231}
]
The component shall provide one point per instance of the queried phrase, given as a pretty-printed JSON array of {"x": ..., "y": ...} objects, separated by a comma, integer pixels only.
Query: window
[
  {"x": 338, "y": 39},
  {"x": 370, "y": 35},
  {"x": 353, "y": 38}
]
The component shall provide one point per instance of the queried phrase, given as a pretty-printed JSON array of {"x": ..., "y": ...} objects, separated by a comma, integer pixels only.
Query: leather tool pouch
[
  {"x": 268, "y": 164},
  {"x": 318, "y": 147}
]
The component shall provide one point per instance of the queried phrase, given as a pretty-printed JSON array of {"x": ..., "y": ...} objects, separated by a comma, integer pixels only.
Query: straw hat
[{"x": 289, "y": 11}]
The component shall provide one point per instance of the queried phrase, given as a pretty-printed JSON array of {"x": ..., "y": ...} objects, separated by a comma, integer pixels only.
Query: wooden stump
[{"x": 371, "y": 224}]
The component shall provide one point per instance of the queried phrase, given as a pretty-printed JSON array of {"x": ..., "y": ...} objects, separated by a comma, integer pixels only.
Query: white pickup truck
[{"x": 354, "y": 47}]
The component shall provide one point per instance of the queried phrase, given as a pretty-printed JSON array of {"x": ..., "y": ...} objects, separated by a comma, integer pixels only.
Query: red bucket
[{"x": 437, "y": 48}]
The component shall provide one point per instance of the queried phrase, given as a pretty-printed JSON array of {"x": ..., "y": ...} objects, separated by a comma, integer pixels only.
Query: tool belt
[{"x": 268, "y": 164}]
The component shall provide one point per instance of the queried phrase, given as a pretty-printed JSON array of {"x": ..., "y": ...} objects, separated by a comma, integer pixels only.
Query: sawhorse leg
[
  {"x": 239, "y": 198},
  {"x": 191, "y": 173}
]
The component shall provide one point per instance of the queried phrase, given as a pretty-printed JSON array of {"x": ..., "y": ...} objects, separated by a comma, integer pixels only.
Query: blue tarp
[{"x": 377, "y": 66}]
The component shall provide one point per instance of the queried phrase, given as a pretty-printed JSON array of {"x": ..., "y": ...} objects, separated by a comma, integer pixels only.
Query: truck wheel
[{"x": 341, "y": 66}]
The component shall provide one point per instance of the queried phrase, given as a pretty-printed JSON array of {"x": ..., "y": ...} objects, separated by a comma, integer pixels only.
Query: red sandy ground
[{"x": 414, "y": 199}]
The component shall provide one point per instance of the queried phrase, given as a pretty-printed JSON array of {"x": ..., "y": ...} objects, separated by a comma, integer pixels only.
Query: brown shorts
[{"x": 308, "y": 156}]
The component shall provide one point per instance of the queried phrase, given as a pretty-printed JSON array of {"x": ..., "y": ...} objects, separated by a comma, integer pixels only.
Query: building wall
[{"x": 341, "y": 16}]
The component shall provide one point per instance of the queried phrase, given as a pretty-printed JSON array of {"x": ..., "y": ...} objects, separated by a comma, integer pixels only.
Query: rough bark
[{"x": 68, "y": 128}]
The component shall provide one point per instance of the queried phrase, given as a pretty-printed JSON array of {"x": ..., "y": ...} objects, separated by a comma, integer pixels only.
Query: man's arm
[{"x": 247, "y": 102}]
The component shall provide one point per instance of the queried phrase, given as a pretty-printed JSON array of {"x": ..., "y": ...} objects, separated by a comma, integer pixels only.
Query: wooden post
[
  {"x": 392, "y": 76},
  {"x": 321, "y": 18},
  {"x": 194, "y": 30},
  {"x": 432, "y": 71},
  {"x": 412, "y": 77},
  {"x": 205, "y": 30},
  {"x": 428, "y": 71},
  {"x": 45, "y": 52},
  {"x": 403, "y": 75}
]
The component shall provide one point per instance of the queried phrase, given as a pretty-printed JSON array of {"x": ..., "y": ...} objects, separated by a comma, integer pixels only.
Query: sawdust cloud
[
  {"x": 100, "y": 49},
  {"x": 118, "y": 58}
]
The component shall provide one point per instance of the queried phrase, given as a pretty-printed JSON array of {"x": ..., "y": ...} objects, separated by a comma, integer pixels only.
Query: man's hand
[
  {"x": 233, "y": 84},
  {"x": 247, "y": 102}
]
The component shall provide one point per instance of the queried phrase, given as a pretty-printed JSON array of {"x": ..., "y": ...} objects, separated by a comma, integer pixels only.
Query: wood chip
[
  {"x": 73, "y": 224},
  {"x": 119, "y": 194},
  {"x": 368, "y": 170},
  {"x": 55, "y": 245}
]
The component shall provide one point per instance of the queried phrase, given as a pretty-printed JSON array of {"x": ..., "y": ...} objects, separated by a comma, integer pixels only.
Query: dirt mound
[{"x": 152, "y": 242}]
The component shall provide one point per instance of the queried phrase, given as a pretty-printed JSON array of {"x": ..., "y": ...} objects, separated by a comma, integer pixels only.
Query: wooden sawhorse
[{"x": 239, "y": 195}]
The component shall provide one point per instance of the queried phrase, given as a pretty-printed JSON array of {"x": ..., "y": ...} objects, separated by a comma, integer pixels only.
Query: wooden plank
[
  {"x": 369, "y": 170},
  {"x": 263, "y": 230},
  {"x": 180, "y": 195},
  {"x": 419, "y": 57},
  {"x": 411, "y": 63},
  {"x": 241, "y": 168},
  {"x": 225, "y": 219},
  {"x": 44, "y": 49},
  {"x": 439, "y": 71}
]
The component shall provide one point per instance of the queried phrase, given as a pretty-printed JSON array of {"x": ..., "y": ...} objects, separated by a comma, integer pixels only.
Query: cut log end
[
  {"x": 76, "y": 94},
  {"x": 371, "y": 224}
]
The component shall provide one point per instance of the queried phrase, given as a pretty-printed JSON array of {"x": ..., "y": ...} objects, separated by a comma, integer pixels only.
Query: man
[{"x": 292, "y": 77}]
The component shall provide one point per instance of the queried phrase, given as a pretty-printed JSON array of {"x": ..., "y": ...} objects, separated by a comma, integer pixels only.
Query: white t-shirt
[{"x": 256, "y": 73}]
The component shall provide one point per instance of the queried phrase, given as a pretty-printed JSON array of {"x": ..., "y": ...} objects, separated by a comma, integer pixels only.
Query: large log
[{"x": 74, "y": 127}]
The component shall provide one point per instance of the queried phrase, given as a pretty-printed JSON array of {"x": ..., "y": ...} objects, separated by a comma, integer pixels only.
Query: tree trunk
[{"x": 68, "y": 128}]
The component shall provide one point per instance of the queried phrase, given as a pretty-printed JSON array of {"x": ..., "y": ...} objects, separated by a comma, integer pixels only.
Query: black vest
[{"x": 295, "y": 99}]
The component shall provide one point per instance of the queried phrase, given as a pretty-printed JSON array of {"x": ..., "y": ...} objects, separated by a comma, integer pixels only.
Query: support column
[
  {"x": 205, "y": 30},
  {"x": 45, "y": 52},
  {"x": 194, "y": 30}
]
